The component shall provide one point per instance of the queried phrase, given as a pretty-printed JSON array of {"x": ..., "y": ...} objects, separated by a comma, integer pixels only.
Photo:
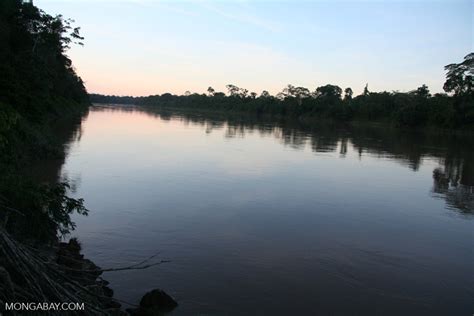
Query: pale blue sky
[{"x": 140, "y": 47}]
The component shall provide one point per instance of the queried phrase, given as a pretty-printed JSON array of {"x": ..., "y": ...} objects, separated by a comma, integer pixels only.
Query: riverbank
[
  {"x": 213, "y": 193},
  {"x": 432, "y": 131},
  {"x": 36, "y": 265},
  {"x": 58, "y": 279},
  {"x": 42, "y": 103},
  {"x": 414, "y": 109},
  {"x": 52, "y": 274}
]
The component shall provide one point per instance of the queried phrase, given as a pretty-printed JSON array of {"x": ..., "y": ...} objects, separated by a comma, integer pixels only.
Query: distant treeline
[
  {"x": 413, "y": 109},
  {"x": 38, "y": 87}
]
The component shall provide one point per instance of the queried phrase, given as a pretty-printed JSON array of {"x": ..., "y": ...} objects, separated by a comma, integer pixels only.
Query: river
[{"x": 269, "y": 217}]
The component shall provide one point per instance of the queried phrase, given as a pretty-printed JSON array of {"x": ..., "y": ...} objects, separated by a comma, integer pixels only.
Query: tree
[
  {"x": 422, "y": 91},
  {"x": 328, "y": 90},
  {"x": 243, "y": 93},
  {"x": 38, "y": 86},
  {"x": 348, "y": 93},
  {"x": 211, "y": 91},
  {"x": 366, "y": 89},
  {"x": 233, "y": 90},
  {"x": 286, "y": 92},
  {"x": 301, "y": 92},
  {"x": 298, "y": 93},
  {"x": 460, "y": 77},
  {"x": 265, "y": 94},
  {"x": 33, "y": 58}
]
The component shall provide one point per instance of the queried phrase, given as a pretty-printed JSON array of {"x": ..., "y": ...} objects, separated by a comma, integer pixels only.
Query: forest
[
  {"x": 39, "y": 88},
  {"x": 39, "y": 93},
  {"x": 417, "y": 108},
  {"x": 43, "y": 102}
]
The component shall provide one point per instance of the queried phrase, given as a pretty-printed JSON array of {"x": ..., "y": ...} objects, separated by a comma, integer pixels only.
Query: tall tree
[
  {"x": 233, "y": 90},
  {"x": 348, "y": 93},
  {"x": 366, "y": 90},
  {"x": 211, "y": 91},
  {"x": 328, "y": 90},
  {"x": 422, "y": 91},
  {"x": 265, "y": 94},
  {"x": 460, "y": 77}
]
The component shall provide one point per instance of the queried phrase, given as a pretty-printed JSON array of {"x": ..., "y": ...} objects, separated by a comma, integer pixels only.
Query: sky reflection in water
[{"x": 262, "y": 217}]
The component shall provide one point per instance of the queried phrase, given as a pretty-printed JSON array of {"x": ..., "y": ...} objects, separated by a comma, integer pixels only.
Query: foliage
[
  {"x": 40, "y": 210},
  {"x": 38, "y": 86},
  {"x": 460, "y": 77},
  {"x": 8, "y": 120},
  {"x": 417, "y": 108}
]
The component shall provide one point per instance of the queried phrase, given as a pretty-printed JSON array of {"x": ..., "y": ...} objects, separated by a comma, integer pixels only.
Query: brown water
[{"x": 277, "y": 218}]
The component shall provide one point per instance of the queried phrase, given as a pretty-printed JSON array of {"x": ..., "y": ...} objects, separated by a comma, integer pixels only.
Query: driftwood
[{"x": 137, "y": 266}]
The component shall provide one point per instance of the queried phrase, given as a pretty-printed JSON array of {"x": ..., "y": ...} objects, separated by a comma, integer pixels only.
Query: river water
[{"x": 265, "y": 217}]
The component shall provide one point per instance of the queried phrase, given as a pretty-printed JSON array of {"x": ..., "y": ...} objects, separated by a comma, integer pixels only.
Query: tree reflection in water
[{"x": 453, "y": 179}]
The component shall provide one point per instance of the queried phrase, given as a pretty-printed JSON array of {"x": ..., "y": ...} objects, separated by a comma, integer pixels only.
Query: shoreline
[
  {"x": 385, "y": 124},
  {"x": 58, "y": 273}
]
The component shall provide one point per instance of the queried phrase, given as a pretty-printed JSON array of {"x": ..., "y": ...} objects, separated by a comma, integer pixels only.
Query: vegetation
[
  {"x": 38, "y": 87},
  {"x": 416, "y": 108},
  {"x": 453, "y": 178}
]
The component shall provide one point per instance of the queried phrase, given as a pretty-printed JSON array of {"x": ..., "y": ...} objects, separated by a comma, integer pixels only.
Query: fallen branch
[{"x": 134, "y": 267}]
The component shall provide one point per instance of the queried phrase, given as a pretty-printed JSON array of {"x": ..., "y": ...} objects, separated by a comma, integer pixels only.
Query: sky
[{"x": 144, "y": 47}]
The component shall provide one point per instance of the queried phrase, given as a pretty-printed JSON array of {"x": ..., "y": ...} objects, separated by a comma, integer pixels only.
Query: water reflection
[
  {"x": 68, "y": 131},
  {"x": 252, "y": 211},
  {"x": 453, "y": 179},
  {"x": 457, "y": 195}
]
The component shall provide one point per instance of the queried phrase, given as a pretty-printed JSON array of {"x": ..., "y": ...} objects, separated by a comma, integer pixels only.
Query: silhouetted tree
[
  {"x": 348, "y": 94},
  {"x": 460, "y": 77},
  {"x": 366, "y": 90},
  {"x": 413, "y": 109},
  {"x": 297, "y": 93},
  {"x": 211, "y": 91},
  {"x": 233, "y": 90},
  {"x": 38, "y": 86},
  {"x": 328, "y": 90},
  {"x": 422, "y": 91},
  {"x": 265, "y": 94}
]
